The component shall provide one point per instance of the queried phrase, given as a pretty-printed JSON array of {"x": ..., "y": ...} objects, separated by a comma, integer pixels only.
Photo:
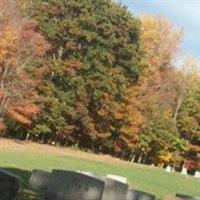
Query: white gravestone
[
  {"x": 168, "y": 168},
  {"x": 184, "y": 171},
  {"x": 197, "y": 174}
]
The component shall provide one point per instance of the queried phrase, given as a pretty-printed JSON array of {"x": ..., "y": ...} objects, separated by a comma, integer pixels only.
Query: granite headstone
[
  {"x": 139, "y": 195},
  {"x": 70, "y": 185},
  {"x": 187, "y": 197},
  {"x": 9, "y": 185},
  {"x": 114, "y": 190},
  {"x": 39, "y": 180}
]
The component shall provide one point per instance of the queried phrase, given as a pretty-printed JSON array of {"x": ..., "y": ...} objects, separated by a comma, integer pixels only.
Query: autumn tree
[
  {"x": 187, "y": 117},
  {"x": 111, "y": 110},
  {"x": 109, "y": 81},
  {"x": 168, "y": 91},
  {"x": 95, "y": 57},
  {"x": 157, "y": 90},
  {"x": 19, "y": 45}
]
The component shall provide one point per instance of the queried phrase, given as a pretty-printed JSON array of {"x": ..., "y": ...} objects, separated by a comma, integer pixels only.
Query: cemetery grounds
[{"x": 22, "y": 157}]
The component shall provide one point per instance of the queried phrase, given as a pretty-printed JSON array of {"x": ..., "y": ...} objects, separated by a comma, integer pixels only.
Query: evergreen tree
[{"x": 95, "y": 58}]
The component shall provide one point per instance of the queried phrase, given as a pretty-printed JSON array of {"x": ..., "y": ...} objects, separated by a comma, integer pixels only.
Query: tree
[
  {"x": 161, "y": 41},
  {"x": 109, "y": 82},
  {"x": 157, "y": 91},
  {"x": 188, "y": 119},
  {"x": 96, "y": 56},
  {"x": 19, "y": 44}
]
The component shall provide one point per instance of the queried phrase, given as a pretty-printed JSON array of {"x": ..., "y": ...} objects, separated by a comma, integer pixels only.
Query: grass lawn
[{"x": 21, "y": 158}]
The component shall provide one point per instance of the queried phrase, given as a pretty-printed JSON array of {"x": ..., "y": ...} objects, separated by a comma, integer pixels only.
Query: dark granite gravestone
[
  {"x": 39, "y": 180},
  {"x": 187, "y": 197},
  {"x": 139, "y": 195},
  {"x": 9, "y": 185},
  {"x": 114, "y": 190},
  {"x": 69, "y": 185}
]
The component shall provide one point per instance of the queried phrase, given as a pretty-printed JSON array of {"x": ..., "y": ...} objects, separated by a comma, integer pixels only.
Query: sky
[{"x": 183, "y": 13}]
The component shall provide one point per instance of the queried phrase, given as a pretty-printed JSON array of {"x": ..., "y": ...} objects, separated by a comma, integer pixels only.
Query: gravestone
[
  {"x": 117, "y": 178},
  {"x": 168, "y": 168},
  {"x": 197, "y": 174},
  {"x": 114, "y": 190},
  {"x": 39, "y": 180},
  {"x": 9, "y": 185},
  {"x": 139, "y": 195},
  {"x": 184, "y": 171},
  {"x": 187, "y": 197},
  {"x": 69, "y": 185}
]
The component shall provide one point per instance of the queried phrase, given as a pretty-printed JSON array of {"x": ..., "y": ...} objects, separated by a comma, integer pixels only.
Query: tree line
[{"x": 90, "y": 74}]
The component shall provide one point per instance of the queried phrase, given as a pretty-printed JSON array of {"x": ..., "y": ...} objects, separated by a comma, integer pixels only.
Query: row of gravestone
[
  {"x": 70, "y": 185},
  {"x": 184, "y": 171}
]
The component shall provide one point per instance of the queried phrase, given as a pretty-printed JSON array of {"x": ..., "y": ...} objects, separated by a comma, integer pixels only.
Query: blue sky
[{"x": 183, "y": 13}]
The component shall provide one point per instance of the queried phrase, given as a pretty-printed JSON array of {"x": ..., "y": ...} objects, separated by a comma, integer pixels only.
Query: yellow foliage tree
[{"x": 157, "y": 86}]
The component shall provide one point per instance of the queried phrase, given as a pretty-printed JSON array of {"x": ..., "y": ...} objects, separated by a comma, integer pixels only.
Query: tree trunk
[
  {"x": 27, "y": 137},
  {"x": 140, "y": 158},
  {"x": 133, "y": 157},
  {"x": 177, "y": 109}
]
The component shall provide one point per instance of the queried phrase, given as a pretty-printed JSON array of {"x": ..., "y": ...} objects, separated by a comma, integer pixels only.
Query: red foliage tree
[{"x": 20, "y": 46}]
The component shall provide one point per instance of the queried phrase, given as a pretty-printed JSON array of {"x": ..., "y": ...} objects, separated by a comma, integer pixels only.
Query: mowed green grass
[{"x": 149, "y": 179}]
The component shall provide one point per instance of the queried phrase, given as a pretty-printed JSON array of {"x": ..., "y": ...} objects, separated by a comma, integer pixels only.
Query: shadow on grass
[{"x": 25, "y": 193}]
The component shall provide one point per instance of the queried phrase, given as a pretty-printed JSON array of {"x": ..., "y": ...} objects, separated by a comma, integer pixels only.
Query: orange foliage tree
[{"x": 20, "y": 44}]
